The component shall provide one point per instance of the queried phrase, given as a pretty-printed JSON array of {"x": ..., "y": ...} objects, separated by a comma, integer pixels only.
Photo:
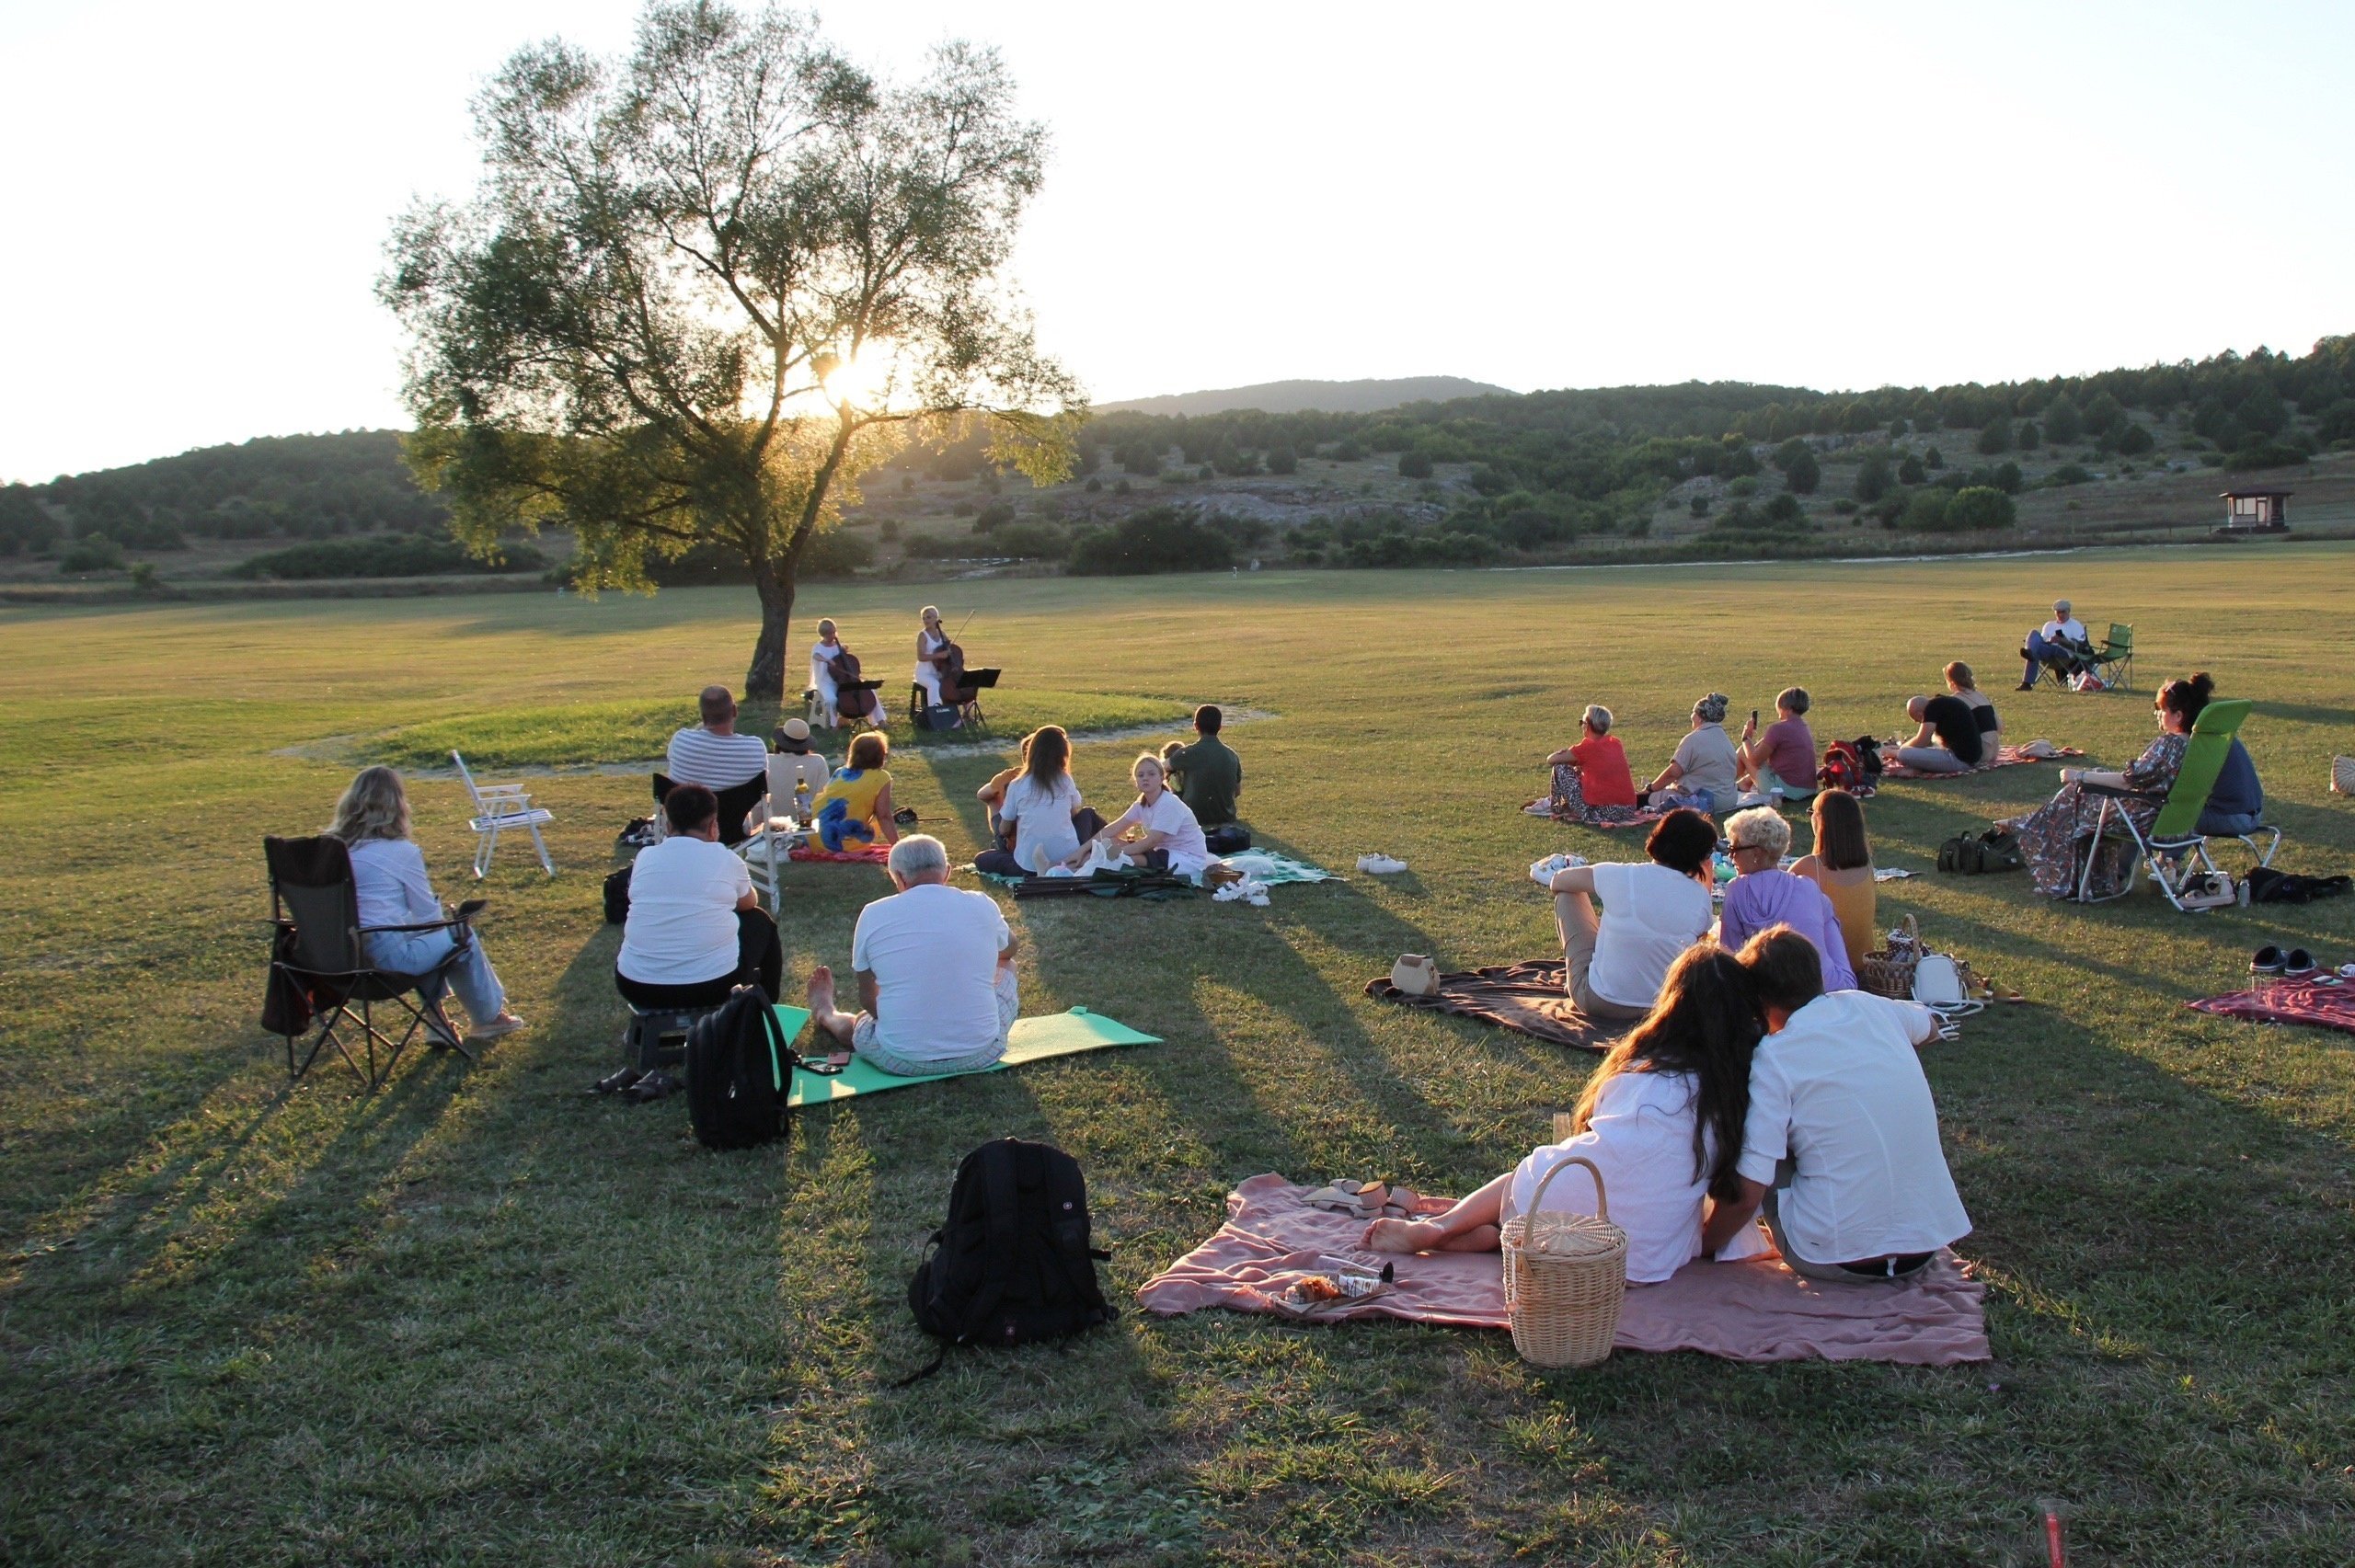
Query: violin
[{"x": 852, "y": 699}]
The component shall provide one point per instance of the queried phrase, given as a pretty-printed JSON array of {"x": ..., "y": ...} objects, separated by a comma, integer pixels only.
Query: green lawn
[{"x": 479, "y": 1317}]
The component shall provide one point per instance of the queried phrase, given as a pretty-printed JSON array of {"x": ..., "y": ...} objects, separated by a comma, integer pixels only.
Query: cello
[
  {"x": 854, "y": 698},
  {"x": 948, "y": 665}
]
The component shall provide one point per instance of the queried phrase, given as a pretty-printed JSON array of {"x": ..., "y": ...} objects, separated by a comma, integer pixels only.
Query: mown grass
[
  {"x": 481, "y": 1317},
  {"x": 640, "y": 730}
]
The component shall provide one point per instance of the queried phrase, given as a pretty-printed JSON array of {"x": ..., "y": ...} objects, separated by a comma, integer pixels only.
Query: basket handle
[{"x": 1602, "y": 1202}]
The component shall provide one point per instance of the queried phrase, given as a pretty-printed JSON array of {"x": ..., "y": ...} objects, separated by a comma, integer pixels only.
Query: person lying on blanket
[
  {"x": 1701, "y": 774},
  {"x": 1036, "y": 814},
  {"x": 1762, "y": 894},
  {"x": 936, "y": 992},
  {"x": 1948, "y": 740},
  {"x": 1662, "y": 1118},
  {"x": 1612, "y": 963},
  {"x": 1781, "y": 762},
  {"x": 1597, "y": 766},
  {"x": 1840, "y": 1142},
  {"x": 1158, "y": 831},
  {"x": 854, "y": 807}
]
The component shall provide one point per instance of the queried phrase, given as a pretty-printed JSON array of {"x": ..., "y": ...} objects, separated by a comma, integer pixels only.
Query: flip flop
[{"x": 615, "y": 1082}]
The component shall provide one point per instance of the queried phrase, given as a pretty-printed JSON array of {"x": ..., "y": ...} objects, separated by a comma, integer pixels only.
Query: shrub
[
  {"x": 1844, "y": 507},
  {"x": 1804, "y": 472},
  {"x": 1979, "y": 508},
  {"x": 1282, "y": 459},
  {"x": 889, "y": 532},
  {"x": 2030, "y": 438},
  {"x": 2066, "y": 474},
  {"x": 2262, "y": 411},
  {"x": 26, "y": 527},
  {"x": 1873, "y": 475},
  {"x": 2006, "y": 479},
  {"x": 837, "y": 552},
  {"x": 1030, "y": 541},
  {"x": 1158, "y": 539},
  {"x": 2134, "y": 440},
  {"x": 1790, "y": 452},
  {"x": 1926, "y": 512},
  {"x": 2062, "y": 421},
  {"x": 408, "y": 556},
  {"x": 1897, "y": 429},
  {"x": 1933, "y": 459},
  {"x": 1700, "y": 506},
  {"x": 1995, "y": 436},
  {"x": 2338, "y": 421},
  {"x": 1489, "y": 481},
  {"x": 1122, "y": 488},
  {"x": 992, "y": 518},
  {"x": 1745, "y": 486},
  {"x": 91, "y": 553},
  {"x": 1414, "y": 464},
  {"x": 1347, "y": 450},
  {"x": 935, "y": 547},
  {"x": 2266, "y": 454},
  {"x": 1785, "y": 509},
  {"x": 1233, "y": 462},
  {"x": 1910, "y": 471},
  {"x": 143, "y": 576},
  {"x": 1093, "y": 485}
]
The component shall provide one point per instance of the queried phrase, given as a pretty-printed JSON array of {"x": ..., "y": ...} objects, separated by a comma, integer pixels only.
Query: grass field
[{"x": 479, "y": 1317}]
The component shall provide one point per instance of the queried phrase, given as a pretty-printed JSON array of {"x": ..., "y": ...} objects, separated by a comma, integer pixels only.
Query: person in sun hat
[
  {"x": 2060, "y": 641},
  {"x": 1701, "y": 774}
]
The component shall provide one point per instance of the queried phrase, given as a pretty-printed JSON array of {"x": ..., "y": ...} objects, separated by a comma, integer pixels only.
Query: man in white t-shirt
[
  {"x": 935, "y": 973},
  {"x": 1840, "y": 1146},
  {"x": 696, "y": 930},
  {"x": 2060, "y": 641},
  {"x": 1613, "y": 961}
]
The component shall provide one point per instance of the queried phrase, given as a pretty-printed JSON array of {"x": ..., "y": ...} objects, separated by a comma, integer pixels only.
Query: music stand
[
  {"x": 976, "y": 682},
  {"x": 841, "y": 686}
]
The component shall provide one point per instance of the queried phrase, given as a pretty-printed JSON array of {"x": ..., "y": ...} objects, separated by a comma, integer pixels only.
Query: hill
[{"x": 1313, "y": 396}]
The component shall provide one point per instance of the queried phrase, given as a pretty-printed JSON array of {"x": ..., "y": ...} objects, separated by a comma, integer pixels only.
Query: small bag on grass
[
  {"x": 1565, "y": 1276},
  {"x": 1889, "y": 970}
]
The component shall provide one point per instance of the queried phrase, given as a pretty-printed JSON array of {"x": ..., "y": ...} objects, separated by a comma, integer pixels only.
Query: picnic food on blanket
[
  {"x": 1315, "y": 1292},
  {"x": 1565, "y": 1276}
]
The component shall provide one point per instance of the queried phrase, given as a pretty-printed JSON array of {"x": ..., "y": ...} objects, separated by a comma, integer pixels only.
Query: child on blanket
[
  {"x": 1166, "y": 836},
  {"x": 1662, "y": 1118}
]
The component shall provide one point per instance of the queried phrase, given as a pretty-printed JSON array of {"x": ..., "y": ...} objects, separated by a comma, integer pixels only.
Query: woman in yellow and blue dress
[{"x": 855, "y": 808}]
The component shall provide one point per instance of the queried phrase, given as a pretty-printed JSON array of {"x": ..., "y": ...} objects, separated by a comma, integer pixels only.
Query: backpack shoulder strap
[{"x": 1000, "y": 1213}]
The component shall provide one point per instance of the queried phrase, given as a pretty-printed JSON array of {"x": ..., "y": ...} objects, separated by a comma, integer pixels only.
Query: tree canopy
[{"x": 701, "y": 290}]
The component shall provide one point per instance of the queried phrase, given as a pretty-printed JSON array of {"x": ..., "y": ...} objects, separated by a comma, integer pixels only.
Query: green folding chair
[
  {"x": 2114, "y": 661},
  {"x": 2174, "y": 843}
]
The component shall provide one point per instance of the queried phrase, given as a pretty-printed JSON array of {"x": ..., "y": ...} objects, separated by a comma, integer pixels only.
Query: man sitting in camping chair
[
  {"x": 2060, "y": 644},
  {"x": 733, "y": 766}
]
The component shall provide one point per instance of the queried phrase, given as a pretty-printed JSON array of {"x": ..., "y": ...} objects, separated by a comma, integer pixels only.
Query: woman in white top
[
  {"x": 1165, "y": 833},
  {"x": 1038, "y": 802},
  {"x": 1662, "y": 1118},
  {"x": 930, "y": 640},
  {"x": 822, "y": 674},
  {"x": 388, "y": 873}
]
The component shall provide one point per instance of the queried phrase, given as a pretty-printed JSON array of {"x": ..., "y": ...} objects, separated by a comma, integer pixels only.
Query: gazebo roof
[{"x": 2254, "y": 490}]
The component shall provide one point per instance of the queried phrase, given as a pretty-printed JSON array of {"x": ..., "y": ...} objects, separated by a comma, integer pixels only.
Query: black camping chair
[
  {"x": 314, "y": 906},
  {"x": 736, "y": 802}
]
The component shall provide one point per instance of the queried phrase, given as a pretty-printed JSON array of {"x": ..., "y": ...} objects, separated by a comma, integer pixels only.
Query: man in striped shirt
[{"x": 711, "y": 753}]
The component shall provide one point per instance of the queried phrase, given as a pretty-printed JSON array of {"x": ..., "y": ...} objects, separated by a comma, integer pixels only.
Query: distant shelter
[{"x": 2264, "y": 509}]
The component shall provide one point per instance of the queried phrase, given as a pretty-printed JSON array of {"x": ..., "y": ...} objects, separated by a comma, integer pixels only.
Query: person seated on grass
[
  {"x": 855, "y": 808},
  {"x": 1963, "y": 686},
  {"x": 2060, "y": 644},
  {"x": 935, "y": 964},
  {"x": 1207, "y": 775},
  {"x": 696, "y": 930},
  {"x": 1842, "y": 864},
  {"x": 389, "y": 879},
  {"x": 1781, "y": 761},
  {"x": 1762, "y": 894},
  {"x": 1594, "y": 771},
  {"x": 2057, "y": 833},
  {"x": 1036, "y": 813},
  {"x": 1158, "y": 832},
  {"x": 1701, "y": 774},
  {"x": 1662, "y": 1118},
  {"x": 1948, "y": 740},
  {"x": 1840, "y": 1145},
  {"x": 1612, "y": 963},
  {"x": 732, "y": 766}
]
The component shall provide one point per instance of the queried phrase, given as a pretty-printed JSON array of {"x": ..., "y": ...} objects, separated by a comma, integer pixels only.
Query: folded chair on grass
[
  {"x": 318, "y": 956},
  {"x": 502, "y": 809},
  {"x": 793, "y": 782},
  {"x": 2114, "y": 660},
  {"x": 2175, "y": 847}
]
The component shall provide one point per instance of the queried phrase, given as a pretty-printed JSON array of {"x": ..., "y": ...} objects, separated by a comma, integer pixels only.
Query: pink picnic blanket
[
  {"x": 866, "y": 854},
  {"x": 1754, "y": 1311},
  {"x": 1603, "y": 817},
  {"x": 2006, "y": 757},
  {"x": 2327, "y": 1007}
]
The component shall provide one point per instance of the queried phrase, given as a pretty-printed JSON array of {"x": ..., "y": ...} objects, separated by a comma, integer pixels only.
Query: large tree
[{"x": 702, "y": 288}]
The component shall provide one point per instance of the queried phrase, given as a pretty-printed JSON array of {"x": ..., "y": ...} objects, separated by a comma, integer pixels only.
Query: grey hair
[
  {"x": 2061, "y": 607},
  {"x": 1598, "y": 718},
  {"x": 375, "y": 805},
  {"x": 1761, "y": 828},
  {"x": 1711, "y": 709},
  {"x": 917, "y": 853}
]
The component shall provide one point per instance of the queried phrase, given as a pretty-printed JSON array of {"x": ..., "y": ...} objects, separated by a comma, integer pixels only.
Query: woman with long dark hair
[
  {"x": 1662, "y": 1118},
  {"x": 1842, "y": 864},
  {"x": 1038, "y": 804}
]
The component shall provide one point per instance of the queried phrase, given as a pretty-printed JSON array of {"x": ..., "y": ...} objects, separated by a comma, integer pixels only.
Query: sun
[{"x": 864, "y": 380}]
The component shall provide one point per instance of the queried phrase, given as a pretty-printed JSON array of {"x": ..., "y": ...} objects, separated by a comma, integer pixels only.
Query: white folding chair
[
  {"x": 783, "y": 812},
  {"x": 502, "y": 809}
]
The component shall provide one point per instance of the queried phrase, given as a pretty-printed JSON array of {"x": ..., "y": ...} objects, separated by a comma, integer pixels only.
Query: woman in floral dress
[{"x": 2049, "y": 838}]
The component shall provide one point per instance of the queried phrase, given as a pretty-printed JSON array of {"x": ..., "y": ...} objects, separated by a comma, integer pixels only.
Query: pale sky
[{"x": 1834, "y": 195}]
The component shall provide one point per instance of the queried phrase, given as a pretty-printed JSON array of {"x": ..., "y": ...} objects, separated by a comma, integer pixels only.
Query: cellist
[
  {"x": 831, "y": 664},
  {"x": 932, "y": 646}
]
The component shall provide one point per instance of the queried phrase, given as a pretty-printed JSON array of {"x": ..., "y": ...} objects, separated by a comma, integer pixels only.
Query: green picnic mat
[{"x": 1033, "y": 1039}]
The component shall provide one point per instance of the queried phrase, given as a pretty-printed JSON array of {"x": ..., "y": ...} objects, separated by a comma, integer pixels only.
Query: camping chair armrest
[
  {"x": 2121, "y": 792},
  {"x": 421, "y": 925}
]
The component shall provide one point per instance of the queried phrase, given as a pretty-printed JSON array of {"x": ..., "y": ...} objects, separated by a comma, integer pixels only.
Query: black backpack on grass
[
  {"x": 739, "y": 1073},
  {"x": 617, "y": 896},
  {"x": 1974, "y": 855},
  {"x": 1013, "y": 1264}
]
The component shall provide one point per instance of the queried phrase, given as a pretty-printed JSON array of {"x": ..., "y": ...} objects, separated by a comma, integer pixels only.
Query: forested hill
[
  {"x": 1320, "y": 396},
  {"x": 274, "y": 486}
]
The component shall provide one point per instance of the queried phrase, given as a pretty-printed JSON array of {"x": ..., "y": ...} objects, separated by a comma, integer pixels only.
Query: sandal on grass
[{"x": 615, "y": 1082}]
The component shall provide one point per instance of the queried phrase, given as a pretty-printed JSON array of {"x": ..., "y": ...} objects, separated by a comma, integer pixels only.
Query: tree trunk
[{"x": 774, "y": 581}]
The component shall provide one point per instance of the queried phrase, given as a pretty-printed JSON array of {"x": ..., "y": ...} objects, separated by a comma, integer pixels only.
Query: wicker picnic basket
[
  {"x": 1566, "y": 1275},
  {"x": 1889, "y": 972}
]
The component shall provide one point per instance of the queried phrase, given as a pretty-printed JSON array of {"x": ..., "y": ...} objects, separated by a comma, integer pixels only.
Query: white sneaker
[
  {"x": 1543, "y": 872},
  {"x": 1381, "y": 864}
]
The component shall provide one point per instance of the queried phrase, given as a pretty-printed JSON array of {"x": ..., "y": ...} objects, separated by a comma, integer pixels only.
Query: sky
[{"x": 1830, "y": 195}]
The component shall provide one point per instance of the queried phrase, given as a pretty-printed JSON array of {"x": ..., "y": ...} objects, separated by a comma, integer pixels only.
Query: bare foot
[
  {"x": 1404, "y": 1236},
  {"x": 822, "y": 989}
]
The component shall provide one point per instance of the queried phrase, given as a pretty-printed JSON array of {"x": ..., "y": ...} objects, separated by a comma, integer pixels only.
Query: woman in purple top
[
  {"x": 1781, "y": 761},
  {"x": 1765, "y": 895}
]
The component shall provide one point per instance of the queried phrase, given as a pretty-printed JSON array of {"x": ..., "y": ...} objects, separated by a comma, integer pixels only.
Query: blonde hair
[
  {"x": 375, "y": 805},
  {"x": 825, "y": 630},
  {"x": 1143, "y": 758},
  {"x": 870, "y": 750},
  {"x": 929, "y": 613},
  {"x": 1759, "y": 828}
]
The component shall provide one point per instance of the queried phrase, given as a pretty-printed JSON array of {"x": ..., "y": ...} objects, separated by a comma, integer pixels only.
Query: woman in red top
[{"x": 1596, "y": 766}]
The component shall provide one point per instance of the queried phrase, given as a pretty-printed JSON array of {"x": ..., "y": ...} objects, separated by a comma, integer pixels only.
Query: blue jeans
[
  {"x": 2041, "y": 653},
  {"x": 2228, "y": 824},
  {"x": 414, "y": 952}
]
